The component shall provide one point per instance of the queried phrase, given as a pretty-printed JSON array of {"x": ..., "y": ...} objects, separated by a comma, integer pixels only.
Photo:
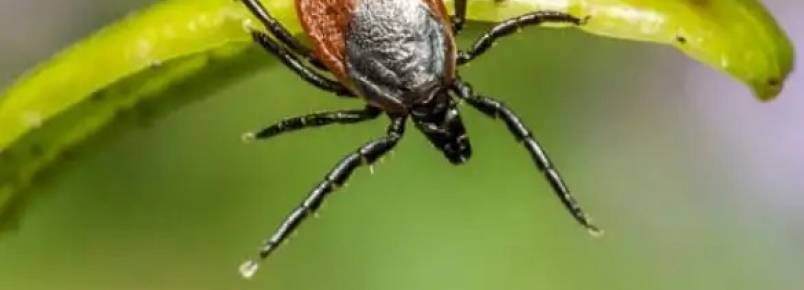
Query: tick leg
[
  {"x": 315, "y": 120},
  {"x": 497, "y": 109},
  {"x": 459, "y": 18},
  {"x": 365, "y": 155},
  {"x": 509, "y": 26},
  {"x": 277, "y": 30},
  {"x": 292, "y": 61}
]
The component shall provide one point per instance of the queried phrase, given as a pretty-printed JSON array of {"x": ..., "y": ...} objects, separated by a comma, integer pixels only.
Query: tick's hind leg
[
  {"x": 292, "y": 61},
  {"x": 315, "y": 120},
  {"x": 279, "y": 32},
  {"x": 365, "y": 155},
  {"x": 509, "y": 26},
  {"x": 496, "y": 109}
]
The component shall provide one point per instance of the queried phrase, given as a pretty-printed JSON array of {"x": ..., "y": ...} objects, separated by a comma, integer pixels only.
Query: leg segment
[
  {"x": 297, "y": 66},
  {"x": 507, "y": 27},
  {"x": 365, "y": 155},
  {"x": 496, "y": 109},
  {"x": 315, "y": 120},
  {"x": 277, "y": 30},
  {"x": 460, "y": 16}
]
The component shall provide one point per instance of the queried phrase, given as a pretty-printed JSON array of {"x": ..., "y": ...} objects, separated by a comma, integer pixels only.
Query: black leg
[
  {"x": 496, "y": 109},
  {"x": 460, "y": 16},
  {"x": 509, "y": 26},
  {"x": 291, "y": 61},
  {"x": 365, "y": 155},
  {"x": 315, "y": 120},
  {"x": 277, "y": 30}
]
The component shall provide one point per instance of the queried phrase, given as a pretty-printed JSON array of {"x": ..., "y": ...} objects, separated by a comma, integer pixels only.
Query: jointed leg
[
  {"x": 292, "y": 61},
  {"x": 509, "y": 26},
  {"x": 496, "y": 109},
  {"x": 277, "y": 30},
  {"x": 315, "y": 120},
  {"x": 460, "y": 16},
  {"x": 365, "y": 155}
]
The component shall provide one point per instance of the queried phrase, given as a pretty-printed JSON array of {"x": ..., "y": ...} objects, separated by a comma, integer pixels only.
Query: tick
[{"x": 400, "y": 58}]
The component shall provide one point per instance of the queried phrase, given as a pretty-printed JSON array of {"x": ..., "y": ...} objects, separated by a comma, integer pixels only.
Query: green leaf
[{"x": 156, "y": 60}]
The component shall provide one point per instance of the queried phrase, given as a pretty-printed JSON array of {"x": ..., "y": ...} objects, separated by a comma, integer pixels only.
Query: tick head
[{"x": 440, "y": 120}]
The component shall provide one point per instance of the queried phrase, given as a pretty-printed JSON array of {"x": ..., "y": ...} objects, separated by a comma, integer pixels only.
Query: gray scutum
[{"x": 396, "y": 51}]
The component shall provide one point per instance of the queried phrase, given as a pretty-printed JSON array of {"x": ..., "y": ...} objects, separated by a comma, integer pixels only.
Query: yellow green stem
[{"x": 60, "y": 104}]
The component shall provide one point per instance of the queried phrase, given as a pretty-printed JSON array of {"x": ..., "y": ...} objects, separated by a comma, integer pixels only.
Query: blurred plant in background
[{"x": 697, "y": 184}]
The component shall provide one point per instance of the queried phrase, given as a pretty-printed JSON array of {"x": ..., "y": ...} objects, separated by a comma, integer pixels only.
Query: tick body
[{"x": 400, "y": 58}]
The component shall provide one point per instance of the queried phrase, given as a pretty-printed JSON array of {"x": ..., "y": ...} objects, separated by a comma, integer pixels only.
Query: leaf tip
[{"x": 769, "y": 89}]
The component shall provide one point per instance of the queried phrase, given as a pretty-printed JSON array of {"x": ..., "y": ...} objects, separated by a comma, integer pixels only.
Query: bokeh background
[{"x": 698, "y": 185}]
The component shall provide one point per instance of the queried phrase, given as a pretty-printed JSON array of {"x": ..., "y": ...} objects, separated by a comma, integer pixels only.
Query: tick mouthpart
[{"x": 458, "y": 151}]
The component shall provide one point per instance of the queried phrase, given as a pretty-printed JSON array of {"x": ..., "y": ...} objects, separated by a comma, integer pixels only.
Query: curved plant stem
[{"x": 134, "y": 62}]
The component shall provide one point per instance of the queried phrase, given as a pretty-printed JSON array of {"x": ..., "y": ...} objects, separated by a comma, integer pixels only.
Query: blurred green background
[{"x": 698, "y": 185}]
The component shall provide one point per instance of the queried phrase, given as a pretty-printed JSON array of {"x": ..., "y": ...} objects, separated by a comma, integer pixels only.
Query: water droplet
[
  {"x": 248, "y": 25},
  {"x": 32, "y": 119},
  {"x": 249, "y": 268},
  {"x": 596, "y": 232},
  {"x": 248, "y": 137}
]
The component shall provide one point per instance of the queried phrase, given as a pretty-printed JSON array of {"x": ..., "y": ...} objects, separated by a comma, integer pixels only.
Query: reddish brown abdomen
[{"x": 326, "y": 23}]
